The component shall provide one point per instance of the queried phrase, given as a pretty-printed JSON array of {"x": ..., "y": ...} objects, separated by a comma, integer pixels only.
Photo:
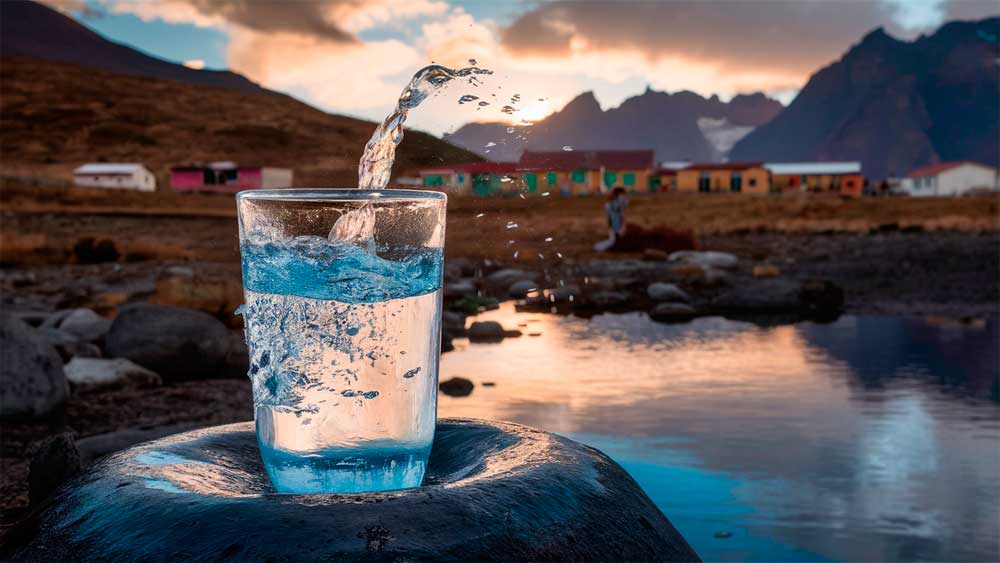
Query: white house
[
  {"x": 950, "y": 179},
  {"x": 125, "y": 176}
]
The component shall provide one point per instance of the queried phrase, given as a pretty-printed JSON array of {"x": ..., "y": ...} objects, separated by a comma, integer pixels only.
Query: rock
[
  {"x": 761, "y": 271},
  {"x": 214, "y": 297},
  {"x": 520, "y": 289},
  {"x": 654, "y": 255},
  {"x": 54, "y": 460},
  {"x": 765, "y": 296},
  {"x": 606, "y": 299},
  {"x": 92, "y": 374},
  {"x": 238, "y": 356},
  {"x": 69, "y": 346},
  {"x": 620, "y": 268},
  {"x": 453, "y": 322},
  {"x": 460, "y": 289},
  {"x": 564, "y": 294},
  {"x": 508, "y": 276},
  {"x": 97, "y": 446},
  {"x": 485, "y": 331},
  {"x": 493, "y": 492},
  {"x": 179, "y": 271},
  {"x": 715, "y": 276},
  {"x": 86, "y": 325},
  {"x": 176, "y": 343},
  {"x": 659, "y": 291},
  {"x": 456, "y": 387},
  {"x": 34, "y": 385},
  {"x": 706, "y": 259},
  {"x": 672, "y": 313},
  {"x": 689, "y": 272},
  {"x": 447, "y": 344},
  {"x": 821, "y": 299}
]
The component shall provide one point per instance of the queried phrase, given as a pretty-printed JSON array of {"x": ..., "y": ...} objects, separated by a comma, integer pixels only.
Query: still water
[{"x": 867, "y": 439}]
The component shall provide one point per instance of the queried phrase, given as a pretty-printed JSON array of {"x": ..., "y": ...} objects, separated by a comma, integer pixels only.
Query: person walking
[{"x": 615, "y": 210}]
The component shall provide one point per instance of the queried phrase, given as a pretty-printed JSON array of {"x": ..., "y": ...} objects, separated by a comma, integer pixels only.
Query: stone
[
  {"x": 654, "y": 255},
  {"x": 97, "y": 446},
  {"x": 672, "y": 312},
  {"x": 93, "y": 374},
  {"x": 508, "y": 276},
  {"x": 563, "y": 294},
  {"x": 706, "y": 259},
  {"x": 460, "y": 288},
  {"x": 86, "y": 325},
  {"x": 456, "y": 387},
  {"x": 715, "y": 276},
  {"x": 822, "y": 299},
  {"x": 660, "y": 291},
  {"x": 238, "y": 357},
  {"x": 493, "y": 492},
  {"x": 485, "y": 331},
  {"x": 761, "y": 271},
  {"x": 34, "y": 385},
  {"x": 175, "y": 343},
  {"x": 688, "y": 272},
  {"x": 520, "y": 289},
  {"x": 764, "y": 296},
  {"x": 608, "y": 298},
  {"x": 453, "y": 322},
  {"x": 179, "y": 271},
  {"x": 447, "y": 341},
  {"x": 54, "y": 460}
]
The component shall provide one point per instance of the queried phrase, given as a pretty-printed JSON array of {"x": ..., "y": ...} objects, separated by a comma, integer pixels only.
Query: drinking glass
[{"x": 343, "y": 318}]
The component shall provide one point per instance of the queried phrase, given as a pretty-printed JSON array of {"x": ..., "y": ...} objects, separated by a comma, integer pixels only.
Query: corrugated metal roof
[
  {"x": 586, "y": 160},
  {"x": 724, "y": 165},
  {"x": 814, "y": 167},
  {"x": 109, "y": 168},
  {"x": 939, "y": 168}
]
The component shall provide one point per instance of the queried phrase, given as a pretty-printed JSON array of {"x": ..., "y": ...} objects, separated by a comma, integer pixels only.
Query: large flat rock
[{"x": 493, "y": 492}]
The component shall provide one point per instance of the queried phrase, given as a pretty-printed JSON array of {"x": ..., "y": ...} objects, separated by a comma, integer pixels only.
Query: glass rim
[{"x": 340, "y": 194}]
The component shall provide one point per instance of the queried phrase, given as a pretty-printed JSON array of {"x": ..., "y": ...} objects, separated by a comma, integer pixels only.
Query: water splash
[
  {"x": 380, "y": 152},
  {"x": 467, "y": 98}
]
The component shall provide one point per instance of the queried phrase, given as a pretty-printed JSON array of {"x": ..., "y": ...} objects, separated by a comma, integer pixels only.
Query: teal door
[{"x": 531, "y": 180}]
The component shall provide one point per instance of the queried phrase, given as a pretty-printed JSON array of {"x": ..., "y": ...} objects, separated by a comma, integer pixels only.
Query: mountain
[
  {"x": 57, "y": 116},
  {"x": 30, "y": 29},
  {"x": 894, "y": 105},
  {"x": 680, "y": 126}
]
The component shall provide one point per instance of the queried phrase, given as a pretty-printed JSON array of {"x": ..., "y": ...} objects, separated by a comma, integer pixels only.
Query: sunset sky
[{"x": 354, "y": 56}]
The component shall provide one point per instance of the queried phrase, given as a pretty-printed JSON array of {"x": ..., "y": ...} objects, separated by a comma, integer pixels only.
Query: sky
[{"x": 354, "y": 56}]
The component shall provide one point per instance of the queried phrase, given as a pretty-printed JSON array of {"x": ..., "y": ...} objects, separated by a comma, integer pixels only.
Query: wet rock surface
[
  {"x": 31, "y": 371},
  {"x": 90, "y": 374},
  {"x": 493, "y": 492}
]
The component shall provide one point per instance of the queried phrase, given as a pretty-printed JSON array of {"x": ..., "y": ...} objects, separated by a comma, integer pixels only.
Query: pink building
[{"x": 228, "y": 177}]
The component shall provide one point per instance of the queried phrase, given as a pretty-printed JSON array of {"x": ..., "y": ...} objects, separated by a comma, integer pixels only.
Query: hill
[
  {"x": 680, "y": 126},
  {"x": 30, "y": 29},
  {"x": 55, "y": 116},
  {"x": 894, "y": 105}
]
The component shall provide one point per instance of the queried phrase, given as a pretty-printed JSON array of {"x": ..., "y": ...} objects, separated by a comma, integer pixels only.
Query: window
[
  {"x": 461, "y": 178},
  {"x": 208, "y": 177},
  {"x": 628, "y": 178},
  {"x": 531, "y": 180},
  {"x": 435, "y": 180},
  {"x": 704, "y": 184},
  {"x": 610, "y": 178},
  {"x": 550, "y": 178},
  {"x": 579, "y": 176}
]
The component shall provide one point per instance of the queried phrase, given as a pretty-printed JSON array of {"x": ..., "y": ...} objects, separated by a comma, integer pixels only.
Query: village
[{"x": 582, "y": 173}]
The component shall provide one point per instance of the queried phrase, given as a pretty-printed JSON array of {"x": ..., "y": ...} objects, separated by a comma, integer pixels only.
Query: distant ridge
[
  {"x": 895, "y": 105},
  {"x": 30, "y": 29},
  {"x": 667, "y": 123}
]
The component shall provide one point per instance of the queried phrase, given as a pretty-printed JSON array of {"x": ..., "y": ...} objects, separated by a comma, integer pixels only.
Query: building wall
[
  {"x": 849, "y": 184},
  {"x": 756, "y": 181},
  {"x": 141, "y": 180},
  {"x": 269, "y": 178},
  {"x": 687, "y": 180},
  {"x": 965, "y": 178},
  {"x": 186, "y": 179}
]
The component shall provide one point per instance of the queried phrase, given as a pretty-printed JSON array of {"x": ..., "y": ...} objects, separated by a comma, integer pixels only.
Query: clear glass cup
[{"x": 343, "y": 319}]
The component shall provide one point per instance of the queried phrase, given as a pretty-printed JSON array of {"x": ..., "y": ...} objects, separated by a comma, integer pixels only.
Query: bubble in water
[
  {"x": 510, "y": 129},
  {"x": 508, "y": 109},
  {"x": 490, "y": 144},
  {"x": 511, "y": 225},
  {"x": 548, "y": 239},
  {"x": 567, "y": 148},
  {"x": 467, "y": 98},
  {"x": 506, "y": 179},
  {"x": 516, "y": 253},
  {"x": 520, "y": 196},
  {"x": 545, "y": 194},
  {"x": 483, "y": 104},
  {"x": 472, "y": 62},
  {"x": 356, "y": 227},
  {"x": 478, "y": 215}
]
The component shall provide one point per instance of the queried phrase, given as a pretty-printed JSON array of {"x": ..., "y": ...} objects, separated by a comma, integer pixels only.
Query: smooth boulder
[
  {"x": 31, "y": 371},
  {"x": 175, "y": 343},
  {"x": 93, "y": 374},
  {"x": 660, "y": 291},
  {"x": 706, "y": 259},
  {"x": 672, "y": 312},
  {"x": 493, "y": 492},
  {"x": 456, "y": 387},
  {"x": 86, "y": 325},
  {"x": 486, "y": 331}
]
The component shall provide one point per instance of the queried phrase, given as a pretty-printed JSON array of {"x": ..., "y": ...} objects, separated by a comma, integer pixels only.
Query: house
[
  {"x": 740, "y": 177},
  {"x": 587, "y": 172},
  {"x": 478, "y": 178},
  {"x": 951, "y": 179},
  {"x": 817, "y": 177},
  {"x": 126, "y": 176},
  {"x": 667, "y": 176},
  {"x": 228, "y": 177}
]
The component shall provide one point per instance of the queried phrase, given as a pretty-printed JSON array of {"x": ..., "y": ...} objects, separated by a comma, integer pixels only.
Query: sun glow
[{"x": 533, "y": 111}]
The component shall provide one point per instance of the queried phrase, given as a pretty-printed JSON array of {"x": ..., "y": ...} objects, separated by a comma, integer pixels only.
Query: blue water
[
  {"x": 864, "y": 439},
  {"x": 344, "y": 354}
]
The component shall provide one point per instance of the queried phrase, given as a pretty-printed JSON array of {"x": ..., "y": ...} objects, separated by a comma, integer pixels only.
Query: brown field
[{"x": 43, "y": 224}]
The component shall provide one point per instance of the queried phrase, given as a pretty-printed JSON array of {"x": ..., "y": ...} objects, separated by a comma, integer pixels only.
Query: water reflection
[{"x": 864, "y": 439}]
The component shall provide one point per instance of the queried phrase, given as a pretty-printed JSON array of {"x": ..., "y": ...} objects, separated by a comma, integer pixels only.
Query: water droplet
[
  {"x": 490, "y": 144},
  {"x": 567, "y": 148},
  {"x": 515, "y": 98},
  {"x": 506, "y": 179},
  {"x": 548, "y": 239},
  {"x": 478, "y": 215},
  {"x": 520, "y": 196},
  {"x": 545, "y": 194},
  {"x": 516, "y": 252},
  {"x": 239, "y": 310},
  {"x": 510, "y": 129},
  {"x": 467, "y": 98},
  {"x": 511, "y": 225},
  {"x": 508, "y": 109},
  {"x": 483, "y": 104},
  {"x": 541, "y": 256},
  {"x": 411, "y": 373},
  {"x": 472, "y": 62}
]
